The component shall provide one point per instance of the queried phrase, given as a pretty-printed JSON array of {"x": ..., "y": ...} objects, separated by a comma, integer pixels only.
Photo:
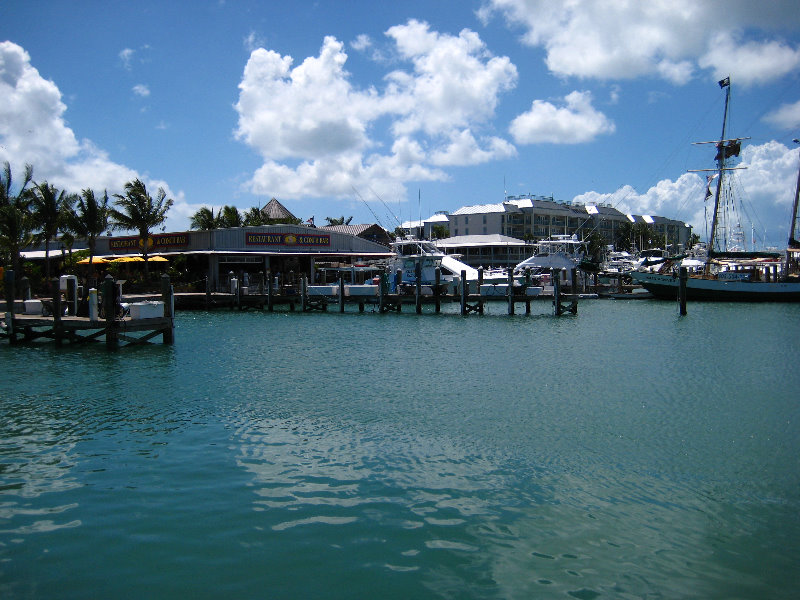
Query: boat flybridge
[
  {"x": 557, "y": 252},
  {"x": 410, "y": 251}
]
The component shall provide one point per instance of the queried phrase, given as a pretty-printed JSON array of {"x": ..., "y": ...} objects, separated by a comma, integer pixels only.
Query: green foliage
[
  {"x": 440, "y": 232},
  {"x": 16, "y": 222},
  {"x": 339, "y": 221}
]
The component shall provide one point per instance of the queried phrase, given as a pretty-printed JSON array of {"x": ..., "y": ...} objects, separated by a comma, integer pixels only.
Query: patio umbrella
[
  {"x": 158, "y": 259},
  {"x": 96, "y": 260},
  {"x": 128, "y": 259}
]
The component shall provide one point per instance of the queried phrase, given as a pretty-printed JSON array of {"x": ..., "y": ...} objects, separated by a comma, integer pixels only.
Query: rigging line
[
  {"x": 399, "y": 223},
  {"x": 368, "y": 206}
]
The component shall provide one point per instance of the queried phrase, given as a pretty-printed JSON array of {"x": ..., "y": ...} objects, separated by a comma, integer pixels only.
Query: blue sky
[{"x": 396, "y": 110}]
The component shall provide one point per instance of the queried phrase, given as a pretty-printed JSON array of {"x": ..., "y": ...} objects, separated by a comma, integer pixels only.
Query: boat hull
[{"x": 665, "y": 286}]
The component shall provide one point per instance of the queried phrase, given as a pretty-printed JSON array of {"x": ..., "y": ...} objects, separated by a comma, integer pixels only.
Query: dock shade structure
[{"x": 289, "y": 250}]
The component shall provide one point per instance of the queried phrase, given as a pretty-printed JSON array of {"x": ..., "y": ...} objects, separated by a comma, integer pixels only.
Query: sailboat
[{"x": 730, "y": 274}]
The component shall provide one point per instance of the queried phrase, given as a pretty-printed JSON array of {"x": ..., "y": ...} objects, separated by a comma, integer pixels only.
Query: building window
[
  {"x": 466, "y": 220},
  {"x": 484, "y": 219},
  {"x": 466, "y": 231}
]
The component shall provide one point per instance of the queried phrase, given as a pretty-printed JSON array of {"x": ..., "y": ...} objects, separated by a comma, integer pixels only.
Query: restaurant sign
[
  {"x": 287, "y": 239},
  {"x": 169, "y": 240}
]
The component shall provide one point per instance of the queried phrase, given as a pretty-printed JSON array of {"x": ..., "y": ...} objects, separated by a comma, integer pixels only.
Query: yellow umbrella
[
  {"x": 128, "y": 259},
  {"x": 158, "y": 259},
  {"x": 96, "y": 260}
]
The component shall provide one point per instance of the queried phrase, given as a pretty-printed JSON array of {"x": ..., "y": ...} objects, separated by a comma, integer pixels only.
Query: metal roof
[{"x": 492, "y": 239}]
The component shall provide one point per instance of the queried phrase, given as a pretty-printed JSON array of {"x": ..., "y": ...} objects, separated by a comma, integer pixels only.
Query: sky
[{"x": 391, "y": 111}]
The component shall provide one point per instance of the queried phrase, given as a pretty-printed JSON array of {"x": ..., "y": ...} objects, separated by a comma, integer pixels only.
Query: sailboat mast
[
  {"x": 793, "y": 240},
  {"x": 725, "y": 83}
]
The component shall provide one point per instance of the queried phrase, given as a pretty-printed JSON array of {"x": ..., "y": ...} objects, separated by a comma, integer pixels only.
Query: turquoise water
[{"x": 624, "y": 452}]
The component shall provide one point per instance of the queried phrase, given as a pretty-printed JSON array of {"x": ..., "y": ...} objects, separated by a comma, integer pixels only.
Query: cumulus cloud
[
  {"x": 619, "y": 39},
  {"x": 785, "y": 117},
  {"x": 750, "y": 62},
  {"x": 33, "y": 131},
  {"x": 361, "y": 43},
  {"x": 320, "y": 135},
  {"x": 576, "y": 122},
  {"x": 764, "y": 192}
]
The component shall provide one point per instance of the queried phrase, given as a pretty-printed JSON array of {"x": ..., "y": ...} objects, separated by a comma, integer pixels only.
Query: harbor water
[{"x": 624, "y": 452}]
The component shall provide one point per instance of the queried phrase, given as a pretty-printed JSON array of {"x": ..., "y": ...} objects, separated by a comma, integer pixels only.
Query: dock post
[
  {"x": 527, "y": 285},
  {"x": 261, "y": 283},
  {"x": 8, "y": 280},
  {"x": 555, "y": 276},
  {"x": 57, "y": 329},
  {"x": 110, "y": 308},
  {"x": 463, "y": 285},
  {"x": 480, "y": 296},
  {"x": 436, "y": 282},
  {"x": 510, "y": 291},
  {"x": 418, "y": 287},
  {"x": 683, "y": 280},
  {"x": 381, "y": 283},
  {"x": 72, "y": 297},
  {"x": 24, "y": 288},
  {"x": 168, "y": 297},
  {"x": 303, "y": 293},
  {"x": 269, "y": 291},
  {"x": 93, "y": 313},
  {"x": 573, "y": 275},
  {"x": 341, "y": 294},
  {"x": 208, "y": 293}
]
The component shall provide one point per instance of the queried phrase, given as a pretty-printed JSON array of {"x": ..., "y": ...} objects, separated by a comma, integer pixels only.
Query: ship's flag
[
  {"x": 725, "y": 82},
  {"x": 709, "y": 179}
]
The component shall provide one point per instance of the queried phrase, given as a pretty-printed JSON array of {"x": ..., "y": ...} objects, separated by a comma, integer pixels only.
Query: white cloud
[
  {"x": 619, "y": 39},
  {"x": 253, "y": 41},
  {"x": 126, "y": 55},
  {"x": 576, "y": 123},
  {"x": 33, "y": 131},
  {"x": 749, "y": 62},
  {"x": 361, "y": 43},
  {"x": 764, "y": 191},
  {"x": 455, "y": 81},
  {"x": 141, "y": 90},
  {"x": 320, "y": 135},
  {"x": 785, "y": 117}
]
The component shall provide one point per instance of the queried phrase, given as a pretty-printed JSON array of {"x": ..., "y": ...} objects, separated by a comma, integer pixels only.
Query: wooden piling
[
  {"x": 9, "y": 280},
  {"x": 269, "y": 292},
  {"x": 110, "y": 308},
  {"x": 527, "y": 285},
  {"x": 683, "y": 279},
  {"x": 436, "y": 289},
  {"x": 168, "y": 297},
  {"x": 480, "y": 284},
  {"x": 72, "y": 297},
  {"x": 463, "y": 285},
  {"x": 555, "y": 276},
  {"x": 510, "y": 291},
  {"x": 418, "y": 287},
  {"x": 341, "y": 294},
  {"x": 58, "y": 332}
]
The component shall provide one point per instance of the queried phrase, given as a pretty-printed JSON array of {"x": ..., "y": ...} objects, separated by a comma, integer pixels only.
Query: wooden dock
[{"x": 106, "y": 322}]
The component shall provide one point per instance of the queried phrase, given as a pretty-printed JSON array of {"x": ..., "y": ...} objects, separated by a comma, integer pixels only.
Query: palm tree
[
  {"x": 229, "y": 216},
  {"x": 204, "y": 219},
  {"x": 340, "y": 221},
  {"x": 254, "y": 217},
  {"x": 138, "y": 211},
  {"x": 89, "y": 219},
  {"x": 49, "y": 214},
  {"x": 15, "y": 219}
]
